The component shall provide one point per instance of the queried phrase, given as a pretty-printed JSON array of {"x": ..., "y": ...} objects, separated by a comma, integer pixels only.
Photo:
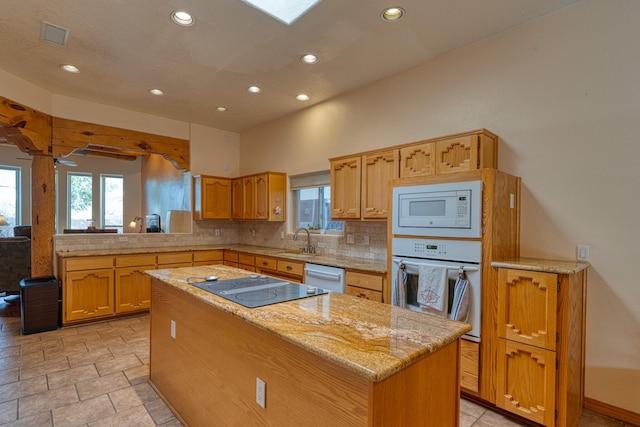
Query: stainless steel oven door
[{"x": 473, "y": 273}]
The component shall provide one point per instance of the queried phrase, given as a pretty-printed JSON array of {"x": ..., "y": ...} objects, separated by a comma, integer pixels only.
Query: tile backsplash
[{"x": 258, "y": 233}]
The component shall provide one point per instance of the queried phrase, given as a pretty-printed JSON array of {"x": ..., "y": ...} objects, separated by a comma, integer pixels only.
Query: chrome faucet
[{"x": 309, "y": 249}]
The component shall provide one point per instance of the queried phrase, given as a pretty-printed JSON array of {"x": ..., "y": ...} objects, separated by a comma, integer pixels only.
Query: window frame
[
  {"x": 18, "y": 198},
  {"x": 70, "y": 176},
  {"x": 103, "y": 203}
]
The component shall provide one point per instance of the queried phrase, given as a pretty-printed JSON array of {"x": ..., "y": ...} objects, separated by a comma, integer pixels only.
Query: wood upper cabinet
[
  {"x": 211, "y": 197},
  {"x": 540, "y": 348},
  {"x": 466, "y": 153},
  {"x": 261, "y": 197},
  {"x": 377, "y": 169},
  {"x": 345, "y": 188},
  {"x": 249, "y": 197},
  {"x": 237, "y": 189},
  {"x": 418, "y": 160}
]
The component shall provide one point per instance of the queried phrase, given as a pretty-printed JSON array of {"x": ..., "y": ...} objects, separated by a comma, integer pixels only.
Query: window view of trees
[
  {"x": 9, "y": 198},
  {"x": 313, "y": 209},
  {"x": 80, "y": 200},
  {"x": 112, "y": 201}
]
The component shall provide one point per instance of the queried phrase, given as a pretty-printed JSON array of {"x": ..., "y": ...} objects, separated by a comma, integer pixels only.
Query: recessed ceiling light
[
  {"x": 392, "y": 14},
  {"x": 254, "y": 89},
  {"x": 182, "y": 18},
  {"x": 156, "y": 92},
  {"x": 302, "y": 97},
  {"x": 221, "y": 109},
  {"x": 70, "y": 68},
  {"x": 309, "y": 58}
]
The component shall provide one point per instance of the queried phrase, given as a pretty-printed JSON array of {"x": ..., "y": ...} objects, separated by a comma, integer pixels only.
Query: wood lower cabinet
[
  {"x": 540, "y": 348},
  {"x": 364, "y": 285},
  {"x": 88, "y": 294},
  {"x": 132, "y": 286},
  {"x": 285, "y": 269},
  {"x": 231, "y": 258},
  {"x": 246, "y": 261},
  {"x": 207, "y": 257},
  {"x": 211, "y": 197},
  {"x": 175, "y": 259}
]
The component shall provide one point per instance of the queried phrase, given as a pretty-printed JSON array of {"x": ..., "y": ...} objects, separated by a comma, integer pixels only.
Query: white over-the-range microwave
[{"x": 452, "y": 209}]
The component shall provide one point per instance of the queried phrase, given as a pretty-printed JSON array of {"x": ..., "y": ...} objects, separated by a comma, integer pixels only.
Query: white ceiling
[{"x": 123, "y": 48}]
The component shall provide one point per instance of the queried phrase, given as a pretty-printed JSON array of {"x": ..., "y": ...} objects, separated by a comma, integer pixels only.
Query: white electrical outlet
[
  {"x": 366, "y": 239},
  {"x": 582, "y": 252},
  {"x": 173, "y": 329},
  {"x": 261, "y": 393},
  {"x": 282, "y": 235},
  {"x": 351, "y": 239},
  {"x": 217, "y": 231},
  {"x": 122, "y": 239}
]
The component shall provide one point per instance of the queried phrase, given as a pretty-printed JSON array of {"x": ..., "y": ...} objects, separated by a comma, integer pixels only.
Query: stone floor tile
[
  {"x": 42, "y": 419},
  {"x": 493, "y": 419},
  {"x": 159, "y": 411},
  {"x": 66, "y": 350},
  {"x": 41, "y": 345},
  {"x": 90, "y": 357},
  {"x": 8, "y": 411},
  {"x": 45, "y": 367},
  {"x": 136, "y": 416},
  {"x": 9, "y": 375},
  {"x": 471, "y": 408},
  {"x": 137, "y": 375},
  {"x": 97, "y": 386},
  {"x": 129, "y": 348},
  {"x": 46, "y": 401},
  {"x": 83, "y": 412},
  {"x": 94, "y": 344},
  {"x": 76, "y": 338},
  {"x": 173, "y": 422},
  {"x": 71, "y": 376},
  {"x": 133, "y": 396},
  {"x": 9, "y": 351},
  {"x": 24, "y": 388},
  {"x": 117, "y": 364}
]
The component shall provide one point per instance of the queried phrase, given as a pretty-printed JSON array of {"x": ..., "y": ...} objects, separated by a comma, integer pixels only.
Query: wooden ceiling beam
[
  {"x": 71, "y": 135},
  {"x": 25, "y": 127}
]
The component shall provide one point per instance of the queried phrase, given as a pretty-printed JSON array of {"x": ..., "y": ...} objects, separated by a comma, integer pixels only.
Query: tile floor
[{"x": 97, "y": 375}]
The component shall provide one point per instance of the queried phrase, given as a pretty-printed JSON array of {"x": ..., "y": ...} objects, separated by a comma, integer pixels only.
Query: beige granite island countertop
[
  {"x": 542, "y": 265},
  {"x": 374, "y": 340}
]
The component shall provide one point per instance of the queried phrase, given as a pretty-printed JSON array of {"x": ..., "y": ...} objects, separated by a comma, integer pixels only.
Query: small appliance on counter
[{"x": 153, "y": 223}]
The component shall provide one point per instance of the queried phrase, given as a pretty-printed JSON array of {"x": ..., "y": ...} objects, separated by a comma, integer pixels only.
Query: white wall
[{"x": 562, "y": 94}]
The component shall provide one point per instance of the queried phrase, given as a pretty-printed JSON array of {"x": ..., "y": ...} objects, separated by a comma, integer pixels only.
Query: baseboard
[{"x": 612, "y": 411}]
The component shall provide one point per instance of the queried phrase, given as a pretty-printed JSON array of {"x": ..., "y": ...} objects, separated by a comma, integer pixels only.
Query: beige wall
[{"x": 562, "y": 93}]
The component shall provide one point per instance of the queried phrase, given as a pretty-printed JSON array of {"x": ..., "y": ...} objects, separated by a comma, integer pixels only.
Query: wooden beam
[
  {"x": 43, "y": 227},
  {"x": 25, "y": 127},
  {"x": 70, "y": 135}
]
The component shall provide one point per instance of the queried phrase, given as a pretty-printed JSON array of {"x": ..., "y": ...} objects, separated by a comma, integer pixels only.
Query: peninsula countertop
[
  {"x": 542, "y": 265},
  {"x": 330, "y": 260},
  {"x": 372, "y": 339}
]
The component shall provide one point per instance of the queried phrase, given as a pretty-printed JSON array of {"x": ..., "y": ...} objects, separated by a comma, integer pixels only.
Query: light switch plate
[{"x": 582, "y": 252}]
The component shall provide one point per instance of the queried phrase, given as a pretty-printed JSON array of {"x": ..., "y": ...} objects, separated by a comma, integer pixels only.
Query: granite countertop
[
  {"x": 333, "y": 261},
  {"x": 542, "y": 265},
  {"x": 371, "y": 339}
]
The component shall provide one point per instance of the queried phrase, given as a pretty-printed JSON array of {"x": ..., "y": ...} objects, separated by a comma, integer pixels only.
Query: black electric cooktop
[{"x": 258, "y": 291}]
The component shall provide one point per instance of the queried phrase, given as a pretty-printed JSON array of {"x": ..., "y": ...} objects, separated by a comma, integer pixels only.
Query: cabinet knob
[
  {"x": 265, "y": 263},
  {"x": 289, "y": 267}
]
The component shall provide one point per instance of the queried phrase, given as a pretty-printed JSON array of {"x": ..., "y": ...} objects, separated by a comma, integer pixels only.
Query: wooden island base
[{"x": 207, "y": 374}]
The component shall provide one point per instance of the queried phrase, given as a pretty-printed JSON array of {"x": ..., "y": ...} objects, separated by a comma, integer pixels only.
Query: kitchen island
[{"x": 328, "y": 360}]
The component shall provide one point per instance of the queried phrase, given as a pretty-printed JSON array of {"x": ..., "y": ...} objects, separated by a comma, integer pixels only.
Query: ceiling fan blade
[{"x": 64, "y": 162}]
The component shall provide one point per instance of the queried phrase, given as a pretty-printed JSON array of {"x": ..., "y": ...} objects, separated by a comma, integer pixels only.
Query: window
[
  {"x": 9, "y": 198},
  {"x": 80, "y": 200},
  {"x": 112, "y": 192},
  {"x": 312, "y": 203}
]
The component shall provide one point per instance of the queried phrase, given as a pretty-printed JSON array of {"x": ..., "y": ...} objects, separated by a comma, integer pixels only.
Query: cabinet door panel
[
  {"x": 418, "y": 160},
  {"x": 345, "y": 188},
  {"x": 527, "y": 307},
  {"x": 526, "y": 381},
  {"x": 237, "y": 188},
  {"x": 133, "y": 290},
  {"x": 88, "y": 294},
  {"x": 377, "y": 170},
  {"x": 457, "y": 155},
  {"x": 364, "y": 293},
  {"x": 262, "y": 197},
  {"x": 216, "y": 198},
  {"x": 249, "y": 198}
]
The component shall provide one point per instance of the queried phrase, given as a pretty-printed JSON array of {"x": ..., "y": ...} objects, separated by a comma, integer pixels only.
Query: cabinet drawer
[
  {"x": 175, "y": 258},
  {"x": 89, "y": 263},
  {"x": 230, "y": 256},
  {"x": 364, "y": 293},
  {"x": 361, "y": 280},
  {"x": 203, "y": 256},
  {"x": 136, "y": 260},
  {"x": 246, "y": 259},
  {"x": 266, "y": 263},
  {"x": 291, "y": 267}
]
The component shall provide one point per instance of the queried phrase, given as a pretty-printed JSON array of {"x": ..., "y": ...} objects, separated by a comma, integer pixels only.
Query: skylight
[{"x": 286, "y": 11}]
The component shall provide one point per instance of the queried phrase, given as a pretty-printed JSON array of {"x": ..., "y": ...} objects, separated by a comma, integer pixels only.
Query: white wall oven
[{"x": 459, "y": 258}]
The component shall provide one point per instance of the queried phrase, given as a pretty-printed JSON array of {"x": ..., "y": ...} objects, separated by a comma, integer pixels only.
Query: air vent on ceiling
[{"x": 54, "y": 34}]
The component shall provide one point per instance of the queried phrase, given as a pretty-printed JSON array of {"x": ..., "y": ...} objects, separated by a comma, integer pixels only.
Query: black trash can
[{"x": 39, "y": 304}]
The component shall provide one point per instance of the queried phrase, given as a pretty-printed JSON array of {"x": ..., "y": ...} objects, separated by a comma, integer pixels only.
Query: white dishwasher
[{"x": 325, "y": 277}]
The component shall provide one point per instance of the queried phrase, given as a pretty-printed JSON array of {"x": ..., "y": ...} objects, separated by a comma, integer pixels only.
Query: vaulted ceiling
[{"x": 124, "y": 48}]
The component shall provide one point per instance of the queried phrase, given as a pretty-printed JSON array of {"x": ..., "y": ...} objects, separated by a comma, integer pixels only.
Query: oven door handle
[{"x": 449, "y": 267}]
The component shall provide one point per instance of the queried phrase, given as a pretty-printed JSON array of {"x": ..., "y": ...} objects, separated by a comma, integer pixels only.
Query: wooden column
[{"x": 43, "y": 212}]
